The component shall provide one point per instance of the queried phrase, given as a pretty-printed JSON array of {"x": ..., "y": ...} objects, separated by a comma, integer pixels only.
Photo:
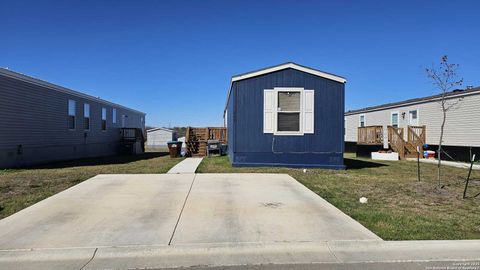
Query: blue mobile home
[{"x": 287, "y": 115}]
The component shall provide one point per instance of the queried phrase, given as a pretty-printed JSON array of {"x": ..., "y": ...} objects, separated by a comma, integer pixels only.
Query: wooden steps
[
  {"x": 196, "y": 139},
  {"x": 406, "y": 149}
]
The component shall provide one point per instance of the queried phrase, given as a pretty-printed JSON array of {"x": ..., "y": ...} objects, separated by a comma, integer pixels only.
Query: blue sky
[{"x": 174, "y": 59}]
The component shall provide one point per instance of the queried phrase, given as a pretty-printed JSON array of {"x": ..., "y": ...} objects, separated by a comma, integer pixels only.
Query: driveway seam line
[
  {"x": 181, "y": 211},
  {"x": 333, "y": 253},
  {"x": 91, "y": 259}
]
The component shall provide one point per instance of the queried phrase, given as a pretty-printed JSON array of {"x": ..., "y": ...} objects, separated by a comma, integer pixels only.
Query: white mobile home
[
  {"x": 157, "y": 138},
  {"x": 462, "y": 128}
]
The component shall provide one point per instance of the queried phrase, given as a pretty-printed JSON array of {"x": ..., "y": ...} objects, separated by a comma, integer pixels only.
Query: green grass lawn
[
  {"x": 24, "y": 187},
  {"x": 399, "y": 207}
]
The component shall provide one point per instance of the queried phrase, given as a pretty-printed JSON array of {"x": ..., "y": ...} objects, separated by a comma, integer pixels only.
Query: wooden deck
[
  {"x": 405, "y": 147},
  {"x": 196, "y": 139}
]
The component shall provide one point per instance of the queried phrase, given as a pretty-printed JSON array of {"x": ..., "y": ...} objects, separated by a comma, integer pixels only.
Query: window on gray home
[
  {"x": 71, "y": 114},
  {"x": 288, "y": 111},
  {"x": 104, "y": 119},
  {"x": 86, "y": 116},
  {"x": 114, "y": 115}
]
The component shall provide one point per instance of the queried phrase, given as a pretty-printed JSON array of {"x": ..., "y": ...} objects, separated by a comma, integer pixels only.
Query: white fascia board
[
  {"x": 290, "y": 65},
  {"x": 26, "y": 78}
]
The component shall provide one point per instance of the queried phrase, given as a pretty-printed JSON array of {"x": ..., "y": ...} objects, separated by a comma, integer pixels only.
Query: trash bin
[{"x": 174, "y": 148}]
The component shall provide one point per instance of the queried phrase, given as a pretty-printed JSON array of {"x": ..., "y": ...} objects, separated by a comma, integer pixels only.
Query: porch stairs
[
  {"x": 196, "y": 141},
  {"x": 406, "y": 148}
]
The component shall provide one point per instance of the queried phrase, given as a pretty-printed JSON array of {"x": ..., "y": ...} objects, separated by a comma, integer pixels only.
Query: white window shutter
[
  {"x": 268, "y": 110},
  {"x": 308, "y": 111}
]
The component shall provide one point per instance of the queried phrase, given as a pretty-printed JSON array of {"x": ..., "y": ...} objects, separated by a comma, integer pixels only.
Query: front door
[{"x": 413, "y": 118}]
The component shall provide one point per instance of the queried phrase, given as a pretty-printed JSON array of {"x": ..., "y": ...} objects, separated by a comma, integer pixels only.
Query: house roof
[
  {"x": 452, "y": 94},
  {"x": 292, "y": 65},
  {"x": 29, "y": 79},
  {"x": 160, "y": 128},
  {"x": 283, "y": 66}
]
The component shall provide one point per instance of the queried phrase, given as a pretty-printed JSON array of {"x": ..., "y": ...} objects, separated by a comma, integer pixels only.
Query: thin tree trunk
[{"x": 440, "y": 145}]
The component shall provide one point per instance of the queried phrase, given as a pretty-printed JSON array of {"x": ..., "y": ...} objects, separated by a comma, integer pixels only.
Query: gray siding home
[
  {"x": 462, "y": 129},
  {"x": 42, "y": 122}
]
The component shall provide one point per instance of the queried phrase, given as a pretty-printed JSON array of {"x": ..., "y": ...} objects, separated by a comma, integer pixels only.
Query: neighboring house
[
  {"x": 286, "y": 115},
  {"x": 462, "y": 128},
  {"x": 157, "y": 138},
  {"x": 42, "y": 122}
]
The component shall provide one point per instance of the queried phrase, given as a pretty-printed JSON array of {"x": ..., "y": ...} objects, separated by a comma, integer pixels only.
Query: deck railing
[
  {"x": 417, "y": 135},
  {"x": 397, "y": 143},
  {"x": 215, "y": 133},
  {"x": 131, "y": 134},
  {"x": 371, "y": 135}
]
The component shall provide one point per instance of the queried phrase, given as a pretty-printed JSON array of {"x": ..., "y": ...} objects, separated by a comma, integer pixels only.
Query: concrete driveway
[
  {"x": 183, "y": 220},
  {"x": 124, "y": 210}
]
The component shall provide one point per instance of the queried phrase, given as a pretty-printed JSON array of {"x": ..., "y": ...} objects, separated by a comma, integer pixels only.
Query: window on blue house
[{"x": 288, "y": 111}]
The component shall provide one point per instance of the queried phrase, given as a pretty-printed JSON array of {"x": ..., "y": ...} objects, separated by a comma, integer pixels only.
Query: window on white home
[
  {"x": 71, "y": 114},
  {"x": 104, "y": 119},
  {"x": 362, "y": 120},
  {"x": 86, "y": 116},
  {"x": 288, "y": 110},
  {"x": 395, "y": 120},
  {"x": 414, "y": 114},
  {"x": 114, "y": 115}
]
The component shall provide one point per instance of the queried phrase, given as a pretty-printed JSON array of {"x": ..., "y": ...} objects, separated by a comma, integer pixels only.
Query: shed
[
  {"x": 286, "y": 115},
  {"x": 157, "y": 138}
]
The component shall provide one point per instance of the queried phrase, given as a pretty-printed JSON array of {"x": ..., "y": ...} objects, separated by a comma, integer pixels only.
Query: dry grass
[
  {"x": 24, "y": 187},
  {"x": 399, "y": 207}
]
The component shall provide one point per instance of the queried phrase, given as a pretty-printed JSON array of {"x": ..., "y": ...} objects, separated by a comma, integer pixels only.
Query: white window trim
[
  {"x": 275, "y": 113},
  {"x": 360, "y": 120},
  {"x": 398, "y": 118}
]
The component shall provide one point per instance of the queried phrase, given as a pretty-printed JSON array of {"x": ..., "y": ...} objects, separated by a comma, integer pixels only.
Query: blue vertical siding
[
  {"x": 249, "y": 146},
  {"x": 231, "y": 125}
]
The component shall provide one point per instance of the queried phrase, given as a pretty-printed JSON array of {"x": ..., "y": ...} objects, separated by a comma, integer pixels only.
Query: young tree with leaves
[{"x": 445, "y": 79}]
